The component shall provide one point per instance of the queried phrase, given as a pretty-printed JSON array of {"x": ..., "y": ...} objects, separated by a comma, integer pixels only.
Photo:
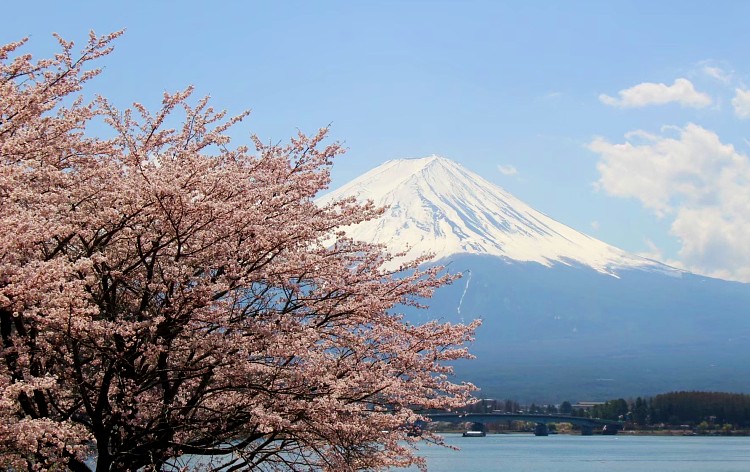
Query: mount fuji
[
  {"x": 437, "y": 206},
  {"x": 565, "y": 316}
]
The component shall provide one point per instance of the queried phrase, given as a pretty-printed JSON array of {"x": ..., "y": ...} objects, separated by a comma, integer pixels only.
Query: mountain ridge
[{"x": 435, "y": 205}]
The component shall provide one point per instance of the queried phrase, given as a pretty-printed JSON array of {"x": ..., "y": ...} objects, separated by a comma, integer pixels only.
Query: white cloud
[
  {"x": 653, "y": 251},
  {"x": 595, "y": 225},
  {"x": 717, "y": 73},
  {"x": 688, "y": 175},
  {"x": 741, "y": 103},
  {"x": 649, "y": 93},
  {"x": 507, "y": 169},
  {"x": 550, "y": 96}
]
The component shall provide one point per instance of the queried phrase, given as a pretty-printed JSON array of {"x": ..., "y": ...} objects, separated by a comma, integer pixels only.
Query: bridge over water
[{"x": 587, "y": 425}]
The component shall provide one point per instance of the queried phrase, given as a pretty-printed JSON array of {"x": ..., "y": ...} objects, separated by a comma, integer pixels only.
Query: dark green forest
[
  {"x": 696, "y": 407},
  {"x": 680, "y": 408}
]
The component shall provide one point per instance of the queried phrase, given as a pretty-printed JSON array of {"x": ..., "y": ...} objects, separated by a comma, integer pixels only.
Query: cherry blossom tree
[{"x": 165, "y": 296}]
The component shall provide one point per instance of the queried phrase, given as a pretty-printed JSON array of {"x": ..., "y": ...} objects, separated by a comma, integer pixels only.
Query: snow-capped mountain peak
[{"x": 437, "y": 206}]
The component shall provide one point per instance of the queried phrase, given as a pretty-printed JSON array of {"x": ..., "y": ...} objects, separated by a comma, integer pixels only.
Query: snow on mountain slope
[{"x": 438, "y": 206}]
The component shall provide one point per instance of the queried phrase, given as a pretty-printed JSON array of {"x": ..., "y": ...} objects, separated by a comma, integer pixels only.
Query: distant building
[{"x": 586, "y": 405}]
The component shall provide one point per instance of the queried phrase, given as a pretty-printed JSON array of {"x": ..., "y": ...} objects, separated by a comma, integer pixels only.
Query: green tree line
[
  {"x": 678, "y": 408},
  {"x": 673, "y": 408}
]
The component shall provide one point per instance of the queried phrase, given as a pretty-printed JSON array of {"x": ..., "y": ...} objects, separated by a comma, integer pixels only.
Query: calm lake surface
[{"x": 567, "y": 453}]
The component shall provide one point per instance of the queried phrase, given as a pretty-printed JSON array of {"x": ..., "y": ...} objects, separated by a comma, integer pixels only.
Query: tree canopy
[
  {"x": 163, "y": 293},
  {"x": 695, "y": 407}
]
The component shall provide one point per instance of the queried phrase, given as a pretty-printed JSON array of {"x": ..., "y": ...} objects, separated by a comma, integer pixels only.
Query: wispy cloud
[
  {"x": 507, "y": 169},
  {"x": 653, "y": 251},
  {"x": 720, "y": 71},
  {"x": 689, "y": 176},
  {"x": 550, "y": 96},
  {"x": 649, "y": 93},
  {"x": 717, "y": 73},
  {"x": 741, "y": 103}
]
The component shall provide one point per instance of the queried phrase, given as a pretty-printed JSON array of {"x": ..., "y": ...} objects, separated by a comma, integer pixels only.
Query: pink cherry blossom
[{"x": 164, "y": 294}]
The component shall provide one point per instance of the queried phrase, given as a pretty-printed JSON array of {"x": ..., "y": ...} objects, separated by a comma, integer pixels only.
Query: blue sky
[{"x": 625, "y": 120}]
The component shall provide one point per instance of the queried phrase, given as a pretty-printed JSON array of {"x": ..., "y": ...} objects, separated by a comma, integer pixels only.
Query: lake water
[{"x": 568, "y": 453}]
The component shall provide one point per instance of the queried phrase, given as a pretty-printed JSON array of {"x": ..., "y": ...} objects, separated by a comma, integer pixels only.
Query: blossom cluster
[{"x": 163, "y": 293}]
